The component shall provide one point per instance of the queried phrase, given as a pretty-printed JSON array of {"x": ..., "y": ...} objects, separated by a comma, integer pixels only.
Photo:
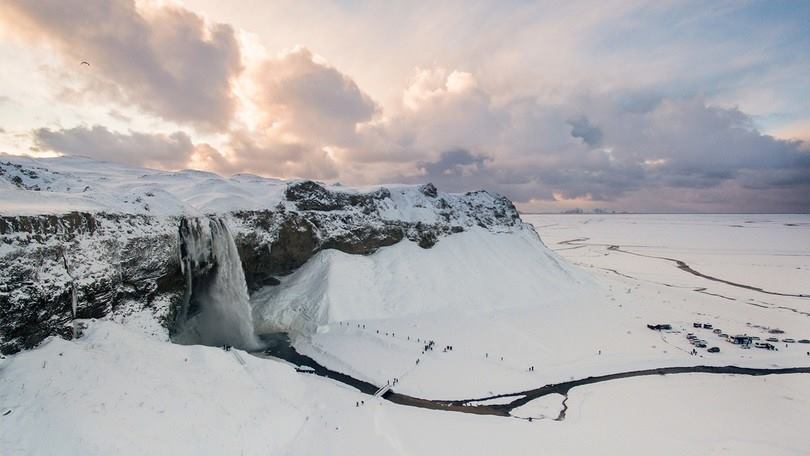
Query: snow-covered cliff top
[{"x": 58, "y": 185}]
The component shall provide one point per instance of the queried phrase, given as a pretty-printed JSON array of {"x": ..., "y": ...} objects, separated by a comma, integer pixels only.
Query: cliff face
[
  {"x": 121, "y": 262},
  {"x": 112, "y": 258}
]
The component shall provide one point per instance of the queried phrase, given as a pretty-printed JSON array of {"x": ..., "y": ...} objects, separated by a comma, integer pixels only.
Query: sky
[{"x": 629, "y": 105}]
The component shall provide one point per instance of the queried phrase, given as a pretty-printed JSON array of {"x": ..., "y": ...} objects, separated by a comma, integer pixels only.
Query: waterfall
[
  {"x": 74, "y": 300},
  {"x": 74, "y": 304},
  {"x": 216, "y": 309}
]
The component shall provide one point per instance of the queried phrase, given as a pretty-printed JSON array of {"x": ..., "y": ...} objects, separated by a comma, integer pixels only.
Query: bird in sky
[{"x": 84, "y": 62}]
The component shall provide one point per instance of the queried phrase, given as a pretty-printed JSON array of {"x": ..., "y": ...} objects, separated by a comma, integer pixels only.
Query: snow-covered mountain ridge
[{"x": 114, "y": 232}]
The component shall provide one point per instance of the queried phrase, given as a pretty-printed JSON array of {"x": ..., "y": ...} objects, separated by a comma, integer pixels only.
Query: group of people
[
  {"x": 429, "y": 346},
  {"x": 346, "y": 323}
]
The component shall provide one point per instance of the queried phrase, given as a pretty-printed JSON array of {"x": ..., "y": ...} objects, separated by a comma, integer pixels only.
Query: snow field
[{"x": 119, "y": 391}]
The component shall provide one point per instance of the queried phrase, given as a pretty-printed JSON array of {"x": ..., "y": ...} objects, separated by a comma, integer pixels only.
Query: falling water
[
  {"x": 216, "y": 310},
  {"x": 74, "y": 304},
  {"x": 74, "y": 300}
]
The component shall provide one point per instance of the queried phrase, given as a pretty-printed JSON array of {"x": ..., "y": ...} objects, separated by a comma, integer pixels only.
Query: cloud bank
[
  {"x": 171, "y": 151},
  {"x": 296, "y": 115}
]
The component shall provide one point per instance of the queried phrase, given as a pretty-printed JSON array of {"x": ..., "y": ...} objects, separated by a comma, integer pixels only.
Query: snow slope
[{"x": 472, "y": 272}]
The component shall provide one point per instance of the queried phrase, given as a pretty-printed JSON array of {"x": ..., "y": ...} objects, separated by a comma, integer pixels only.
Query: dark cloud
[
  {"x": 165, "y": 60},
  {"x": 581, "y": 128},
  {"x": 453, "y": 163},
  {"x": 141, "y": 149}
]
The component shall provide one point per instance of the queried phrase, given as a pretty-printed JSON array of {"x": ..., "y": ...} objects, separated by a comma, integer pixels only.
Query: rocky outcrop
[{"x": 138, "y": 260}]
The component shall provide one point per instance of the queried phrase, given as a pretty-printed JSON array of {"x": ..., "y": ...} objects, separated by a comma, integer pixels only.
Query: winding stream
[{"x": 279, "y": 346}]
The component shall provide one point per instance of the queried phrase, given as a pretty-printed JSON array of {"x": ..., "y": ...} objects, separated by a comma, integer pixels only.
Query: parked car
[
  {"x": 789, "y": 340},
  {"x": 696, "y": 325},
  {"x": 700, "y": 344},
  {"x": 660, "y": 327},
  {"x": 707, "y": 326},
  {"x": 804, "y": 341},
  {"x": 772, "y": 339},
  {"x": 714, "y": 350},
  {"x": 717, "y": 331}
]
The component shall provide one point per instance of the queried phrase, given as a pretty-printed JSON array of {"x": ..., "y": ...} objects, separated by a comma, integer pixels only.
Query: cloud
[
  {"x": 581, "y": 128},
  {"x": 171, "y": 151},
  {"x": 166, "y": 60},
  {"x": 601, "y": 147},
  {"x": 265, "y": 155},
  {"x": 454, "y": 163},
  {"x": 303, "y": 113},
  {"x": 299, "y": 94},
  {"x": 440, "y": 110}
]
